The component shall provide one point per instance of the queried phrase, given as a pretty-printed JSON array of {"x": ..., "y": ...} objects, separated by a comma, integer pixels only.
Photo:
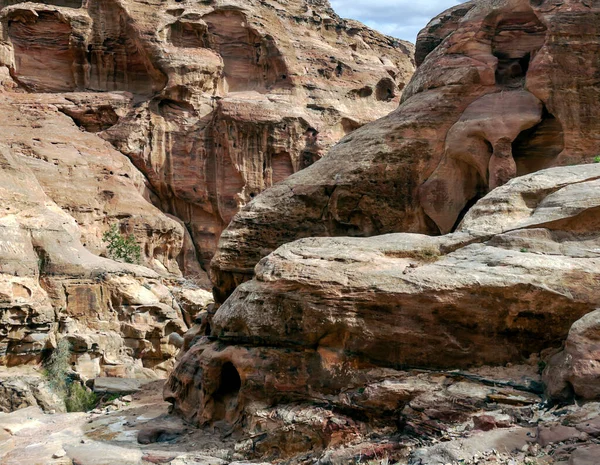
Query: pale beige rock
[
  {"x": 502, "y": 441},
  {"x": 321, "y": 308},
  {"x": 576, "y": 369}
]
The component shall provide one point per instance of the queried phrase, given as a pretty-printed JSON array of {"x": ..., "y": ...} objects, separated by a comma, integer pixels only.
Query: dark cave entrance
[
  {"x": 226, "y": 396},
  {"x": 511, "y": 71},
  {"x": 518, "y": 36},
  {"x": 537, "y": 148}
]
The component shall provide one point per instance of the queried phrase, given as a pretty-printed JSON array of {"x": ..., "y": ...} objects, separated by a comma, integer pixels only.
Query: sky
[{"x": 402, "y": 19}]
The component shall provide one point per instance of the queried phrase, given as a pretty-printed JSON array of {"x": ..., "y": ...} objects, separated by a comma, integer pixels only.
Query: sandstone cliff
[
  {"x": 163, "y": 118},
  {"x": 222, "y": 99},
  {"x": 504, "y": 89},
  {"x": 472, "y": 304}
]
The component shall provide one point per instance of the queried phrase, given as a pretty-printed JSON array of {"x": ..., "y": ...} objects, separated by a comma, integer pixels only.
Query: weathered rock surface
[
  {"x": 576, "y": 369},
  {"x": 323, "y": 313},
  {"x": 22, "y": 390},
  {"x": 115, "y": 112},
  {"x": 504, "y": 88},
  {"x": 212, "y": 102},
  {"x": 116, "y": 316}
]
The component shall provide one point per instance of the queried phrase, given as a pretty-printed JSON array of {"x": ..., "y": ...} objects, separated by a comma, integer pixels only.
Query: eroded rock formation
[
  {"x": 227, "y": 98},
  {"x": 118, "y": 317},
  {"x": 504, "y": 89},
  {"x": 344, "y": 322},
  {"x": 162, "y": 118}
]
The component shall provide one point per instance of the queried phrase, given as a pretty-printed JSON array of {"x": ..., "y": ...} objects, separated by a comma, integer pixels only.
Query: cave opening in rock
[
  {"x": 385, "y": 90},
  {"x": 230, "y": 383},
  {"x": 511, "y": 70},
  {"x": 517, "y": 38},
  {"x": 225, "y": 397}
]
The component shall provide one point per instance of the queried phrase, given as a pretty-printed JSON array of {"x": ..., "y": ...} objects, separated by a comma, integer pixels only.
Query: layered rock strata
[
  {"x": 161, "y": 118},
  {"x": 118, "y": 317},
  {"x": 326, "y": 319},
  {"x": 223, "y": 99},
  {"x": 503, "y": 89}
]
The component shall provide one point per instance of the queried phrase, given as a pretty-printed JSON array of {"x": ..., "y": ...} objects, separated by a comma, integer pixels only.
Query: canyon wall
[
  {"x": 474, "y": 294},
  {"x": 503, "y": 89},
  {"x": 222, "y": 99},
  {"x": 162, "y": 118}
]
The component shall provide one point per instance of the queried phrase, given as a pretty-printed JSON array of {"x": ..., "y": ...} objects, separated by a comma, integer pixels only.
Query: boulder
[
  {"x": 19, "y": 392},
  {"x": 576, "y": 369},
  {"x": 322, "y": 312},
  {"x": 120, "y": 386}
]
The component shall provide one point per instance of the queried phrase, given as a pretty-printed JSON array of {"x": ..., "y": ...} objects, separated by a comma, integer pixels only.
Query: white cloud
[{"x": 399, "y": 18}]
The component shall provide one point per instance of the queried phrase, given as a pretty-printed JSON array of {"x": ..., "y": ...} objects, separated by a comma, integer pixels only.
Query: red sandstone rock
[
  {"x": 509, "y": 90},
  {"x": 117, "y": 111},
  {"x": 227, "y": 99}
]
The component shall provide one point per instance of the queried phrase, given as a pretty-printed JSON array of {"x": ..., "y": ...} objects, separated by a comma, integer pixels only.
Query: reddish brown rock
[
  {"x": 211, "y": 103},
  {"x": 225, "y": 99},
  {"x": 334, "y": 321},
  {"x": 499, "y": 96}
]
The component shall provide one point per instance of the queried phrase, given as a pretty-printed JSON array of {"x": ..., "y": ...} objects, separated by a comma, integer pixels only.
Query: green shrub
[
  {"x": 80, "y": 399},
  {"x": 597, "y": 159},
  {"x": 121, "y": 248},
  {"x": 56, "y": 368}
]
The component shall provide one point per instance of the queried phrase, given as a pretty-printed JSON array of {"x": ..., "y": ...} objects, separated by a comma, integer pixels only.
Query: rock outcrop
[
  {"x": 576, "y": 369},
  {"x": 118, "y": 317},
  {"x": 338, "y": 321},
  {"x": 218, "y": 100},
  {"x": 161, "y": 118},
  {"x": 503, "y": 89}
]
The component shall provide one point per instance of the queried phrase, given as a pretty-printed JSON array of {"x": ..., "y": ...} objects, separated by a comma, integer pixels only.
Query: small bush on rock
[
  {"x": 80, "y": 399},
  {"x": 121, "y": 248},
  {"x": 56, "y": 369},
  {"x": 76, "y": 397}
]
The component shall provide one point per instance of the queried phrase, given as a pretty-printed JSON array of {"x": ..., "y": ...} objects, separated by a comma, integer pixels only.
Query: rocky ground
[
  {"x": 110, "y": 434},
  {"x": 136, "y": 429}
]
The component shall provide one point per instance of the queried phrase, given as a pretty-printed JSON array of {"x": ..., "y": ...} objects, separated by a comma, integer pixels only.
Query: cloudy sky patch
[{"x": 399, "y": 18}]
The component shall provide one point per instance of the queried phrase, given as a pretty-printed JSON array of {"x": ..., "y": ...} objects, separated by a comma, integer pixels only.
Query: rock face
[
  {"x": 323, "y": 313},
  {"x": 117, "y": 316},
  {"x": 162, "y": 118},
  {"x": 223, "y": 99},
  {"x": 503, "y": 89}
]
